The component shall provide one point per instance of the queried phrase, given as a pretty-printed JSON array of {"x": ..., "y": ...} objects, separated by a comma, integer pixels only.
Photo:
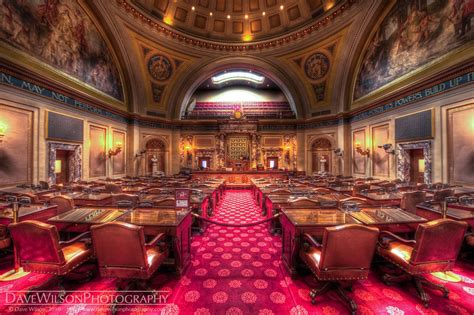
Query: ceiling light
[
  {"x": 168, "y": 20},
  {"x": 247, "y": 38},
  {"x": 237, "y": 76}
]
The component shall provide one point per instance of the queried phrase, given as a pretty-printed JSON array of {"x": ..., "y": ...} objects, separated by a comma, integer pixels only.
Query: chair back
[
  {"x": 166, "y": 202},
  {"x": 113, "y": 188},
  {"x": 120, "y": 198},
  {"x": 119, "y": 245},
  {"x": 440, "y": 195},
  {"x": 359, "y": 187},
  {"x": 36, "y": 242},
  {"x": 340, "y": 240},
  {"x": 438, "y": 241},
  {"x": 411, "y": 199},
  {"x": 64, "y": 203},
  {"x": 34, "y": 198},
  {"x": 304, "y": 202}
]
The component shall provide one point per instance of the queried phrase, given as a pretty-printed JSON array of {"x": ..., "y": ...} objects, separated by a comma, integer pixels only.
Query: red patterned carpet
[{"x": 238, "y": 271}]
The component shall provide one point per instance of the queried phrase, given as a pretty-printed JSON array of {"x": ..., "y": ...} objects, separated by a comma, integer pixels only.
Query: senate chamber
[{"x": 237, "y": 157}]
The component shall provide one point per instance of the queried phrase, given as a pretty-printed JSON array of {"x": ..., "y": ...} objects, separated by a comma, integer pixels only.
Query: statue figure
[
  {"x": 154, "y": 165},
  {"x": 322, "y": 164}
]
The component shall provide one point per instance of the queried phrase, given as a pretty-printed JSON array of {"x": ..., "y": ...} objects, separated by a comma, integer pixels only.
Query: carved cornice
[
  {"x": 443, "y": 82},
  {"x": 227, "y": 46}
]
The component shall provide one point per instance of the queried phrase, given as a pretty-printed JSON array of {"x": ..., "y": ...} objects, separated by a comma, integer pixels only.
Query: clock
[{"x": 238, "y": 114}]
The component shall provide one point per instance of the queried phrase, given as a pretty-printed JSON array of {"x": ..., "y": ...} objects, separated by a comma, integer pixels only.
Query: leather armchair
[
  {"x": 435, "y": 248},
  {"x": 411, "y": 199},
  {"x": 304, "y": 202},
  {"x": 358, "y": 188},
  {"x": 40, "y": 250},
  {"x": 64, "y": 203},
  {"x": 331, "y": 261},
  {"x": 440, "y": 195},
  {"x": 34, "y": 198},
  {"x": 111, "y": 240},
  {"x": 5, "y": 239},
  {"x": 113, "y": 188}
]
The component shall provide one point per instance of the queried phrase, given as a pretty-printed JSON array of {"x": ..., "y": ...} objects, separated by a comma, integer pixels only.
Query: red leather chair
[
  {"x": 64, "y": 203},
  {"x": 122, "y": 252},
  {"x": 5, "y": 240},
  {"x": 40, "y": 250},
  {"x": 332, "y": 262},
  {"x": 435, "y": 248},
  {"x": 440, "y": 195},
  {"x": 411, "y": 199},
  {"x": 113, "y": 188}
]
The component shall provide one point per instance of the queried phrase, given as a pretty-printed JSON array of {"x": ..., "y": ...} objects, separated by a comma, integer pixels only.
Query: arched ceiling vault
[{"x": 163, "y": 71}]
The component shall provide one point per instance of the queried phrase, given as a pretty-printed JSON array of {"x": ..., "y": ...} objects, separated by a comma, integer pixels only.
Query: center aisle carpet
[{"x": 236, "y": 270}]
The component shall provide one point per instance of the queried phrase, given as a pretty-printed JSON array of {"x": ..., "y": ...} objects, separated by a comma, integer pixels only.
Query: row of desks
[{"x": 320, "y": 210}]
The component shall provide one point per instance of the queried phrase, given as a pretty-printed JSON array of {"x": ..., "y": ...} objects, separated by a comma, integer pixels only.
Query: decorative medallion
[
  {"x": 160, "y": 67},
  {"x": 316, "y": 66}
]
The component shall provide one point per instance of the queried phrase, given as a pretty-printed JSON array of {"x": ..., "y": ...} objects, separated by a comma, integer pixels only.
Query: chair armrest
[
  {"x": 75, "y": 239},
  {"x": 158, "y": 238},
  {"x": 392, "y": 237},
  {"x": 310, "y": 242}
]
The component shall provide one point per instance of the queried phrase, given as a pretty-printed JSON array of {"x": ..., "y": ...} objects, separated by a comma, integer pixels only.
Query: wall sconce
[
  {"x": 141, "y": 153},
  {"x": 388, "y": 148},
  {"x": 188, "y": 147},
  {"x": 338, "y": 152},
  {"x": 3, "y": 130},
  {"x": 359, "y": 150},
  {"x": 115, "y": 150}
]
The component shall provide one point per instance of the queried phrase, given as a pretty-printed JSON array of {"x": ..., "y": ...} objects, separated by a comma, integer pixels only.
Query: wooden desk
[
  {"x": 386, "y": 199},
  {"x": 394, "y": 220},
  {"x": 347, "y": 189},
  {"x": 37, "y": 212},
  {"x": 296, "y": 222},
  {"x": 83, "y": 199},
  {"x": 433, "y": 212},
  {"x": 80, "y": 219},
  {"x": 175, "y": 224}
]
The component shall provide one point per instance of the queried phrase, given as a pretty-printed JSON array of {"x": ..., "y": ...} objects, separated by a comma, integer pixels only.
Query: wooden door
[
  {"x": 416, "y": 162},
  {"x": 62, "y": 166}
]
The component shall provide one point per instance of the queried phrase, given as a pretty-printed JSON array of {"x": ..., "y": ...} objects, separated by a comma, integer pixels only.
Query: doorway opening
[
  {"x": 414, "y": 162},
  {"x": 62, "y": 166},
  {"x": 417, "y": 165},
  {"x": 65, "y": 163}
]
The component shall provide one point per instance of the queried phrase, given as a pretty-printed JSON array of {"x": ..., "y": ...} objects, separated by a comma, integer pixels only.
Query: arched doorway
[
  {"x": 321, "y": 150},
  {"x": 155, "y": 156}
]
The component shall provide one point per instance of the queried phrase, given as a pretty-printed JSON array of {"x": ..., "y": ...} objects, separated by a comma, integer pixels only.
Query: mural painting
[
  {"x": 413, "y": 34},
  {"x": 59, "y": 33}
]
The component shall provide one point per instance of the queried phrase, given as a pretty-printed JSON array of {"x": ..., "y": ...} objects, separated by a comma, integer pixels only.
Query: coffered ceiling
[{"x": 235, "y": 20}]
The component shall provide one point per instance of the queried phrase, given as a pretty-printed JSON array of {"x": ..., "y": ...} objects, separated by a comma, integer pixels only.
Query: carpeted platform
[{"x": 238, "y": 271}]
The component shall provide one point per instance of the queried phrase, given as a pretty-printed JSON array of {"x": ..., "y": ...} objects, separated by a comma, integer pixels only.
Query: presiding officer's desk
[{"x": 296, "y": 222}]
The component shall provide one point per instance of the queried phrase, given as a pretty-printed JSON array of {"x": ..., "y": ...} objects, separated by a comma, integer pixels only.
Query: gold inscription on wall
[{"x": 238, "y": 147}]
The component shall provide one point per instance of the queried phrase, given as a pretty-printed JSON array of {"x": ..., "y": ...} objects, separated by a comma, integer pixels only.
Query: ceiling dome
[{"x": 236, "y": 20}]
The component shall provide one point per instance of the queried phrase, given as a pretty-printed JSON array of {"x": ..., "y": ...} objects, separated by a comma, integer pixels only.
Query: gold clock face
[{"x": 237, "y": 114}]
